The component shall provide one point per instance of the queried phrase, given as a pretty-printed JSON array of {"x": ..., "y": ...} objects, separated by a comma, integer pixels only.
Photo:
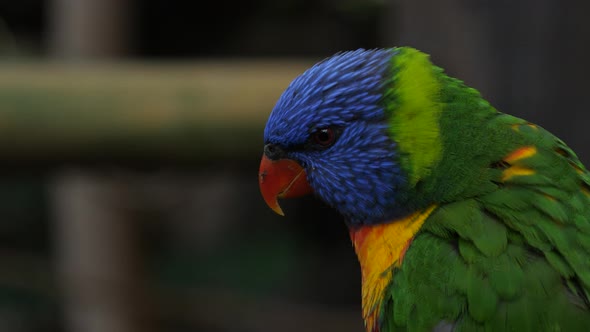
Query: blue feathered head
[{"x": 329, "y": 134}]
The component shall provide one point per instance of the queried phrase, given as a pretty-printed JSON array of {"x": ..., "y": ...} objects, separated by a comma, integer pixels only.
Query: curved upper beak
[{"x": 282, "y": 178}]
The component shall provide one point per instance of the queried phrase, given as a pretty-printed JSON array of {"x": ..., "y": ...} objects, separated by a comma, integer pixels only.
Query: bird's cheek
[{"x": 282, "y": 178}]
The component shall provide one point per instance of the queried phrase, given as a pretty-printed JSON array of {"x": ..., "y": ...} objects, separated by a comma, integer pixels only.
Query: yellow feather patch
[
  {"x": 380, "y": 248},
  {"x": 513, "y": 158},
  {"x": 516, "y": 171},
  {"x": 516, "y": 126},
  {"x": 521, "y": 153}
]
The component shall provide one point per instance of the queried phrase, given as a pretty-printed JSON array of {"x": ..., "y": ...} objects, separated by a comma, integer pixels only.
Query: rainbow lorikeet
[{"x": 463, "y": 218}]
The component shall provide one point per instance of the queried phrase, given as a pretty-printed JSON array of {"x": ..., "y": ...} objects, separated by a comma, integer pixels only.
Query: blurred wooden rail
[
  {"x": 54, "y": 114},
  {"x": 180, "y": 112}
]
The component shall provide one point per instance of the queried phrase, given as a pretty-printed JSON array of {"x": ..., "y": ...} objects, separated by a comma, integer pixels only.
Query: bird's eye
[{"x": 324, "y": 137}]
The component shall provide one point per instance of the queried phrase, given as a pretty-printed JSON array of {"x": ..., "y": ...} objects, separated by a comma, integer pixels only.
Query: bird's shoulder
[{"x": 514, "y": 257}]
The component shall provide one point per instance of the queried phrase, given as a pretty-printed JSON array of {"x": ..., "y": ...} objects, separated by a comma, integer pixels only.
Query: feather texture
[{"x": 509, "y": 248}]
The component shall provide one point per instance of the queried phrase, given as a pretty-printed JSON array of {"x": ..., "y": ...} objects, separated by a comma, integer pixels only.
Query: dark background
[{"x": 131, "y": 131}]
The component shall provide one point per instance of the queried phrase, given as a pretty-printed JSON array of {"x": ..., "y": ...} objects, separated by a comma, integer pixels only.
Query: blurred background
[{"x": 131, "y": 132}]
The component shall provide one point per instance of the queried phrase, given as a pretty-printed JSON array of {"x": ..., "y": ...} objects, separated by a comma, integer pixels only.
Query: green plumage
[{"x": 508, "y": 247}]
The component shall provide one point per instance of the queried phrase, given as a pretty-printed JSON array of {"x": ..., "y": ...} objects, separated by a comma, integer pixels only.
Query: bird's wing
[{"x": 516, "y": 258}]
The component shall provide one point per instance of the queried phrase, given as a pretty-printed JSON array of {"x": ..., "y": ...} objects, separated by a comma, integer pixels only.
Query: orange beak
[{"x": 282, "y": 178}]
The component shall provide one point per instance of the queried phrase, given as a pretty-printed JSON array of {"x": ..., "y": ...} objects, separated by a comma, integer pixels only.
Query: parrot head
[{"x": 332, "y": 134}]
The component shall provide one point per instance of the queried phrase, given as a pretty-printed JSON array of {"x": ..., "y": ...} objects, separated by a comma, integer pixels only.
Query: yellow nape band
[
  {"x": 380, "y": 248},
  {"x": 416, "y": 109}
]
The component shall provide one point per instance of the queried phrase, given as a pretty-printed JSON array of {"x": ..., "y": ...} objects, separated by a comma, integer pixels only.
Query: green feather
[
  {"x": 559, "y": 264},
  {"x": 506, "y": 277}
]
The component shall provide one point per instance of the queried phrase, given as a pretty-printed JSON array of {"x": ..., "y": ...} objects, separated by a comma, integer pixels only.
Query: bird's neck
[{"x": 381, "y": 248}]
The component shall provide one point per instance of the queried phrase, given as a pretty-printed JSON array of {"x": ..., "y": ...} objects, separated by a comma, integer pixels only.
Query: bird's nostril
[{"x": 273, "y": 151}]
